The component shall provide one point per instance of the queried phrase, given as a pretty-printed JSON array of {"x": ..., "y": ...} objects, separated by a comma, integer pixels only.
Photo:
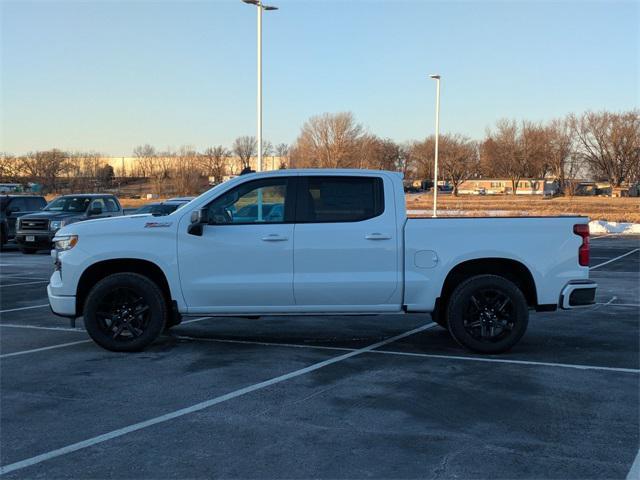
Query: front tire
[
  {"x": 487, "y": 314},
  {"x": 125, "y": 312}
]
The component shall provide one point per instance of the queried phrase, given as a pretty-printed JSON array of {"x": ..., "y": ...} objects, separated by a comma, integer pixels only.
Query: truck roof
[{"x": 324, "y": 171}]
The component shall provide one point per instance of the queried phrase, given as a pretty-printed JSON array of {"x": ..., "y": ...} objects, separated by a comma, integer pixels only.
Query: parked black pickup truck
[
  {"x": 35, "y": 231},
  {"x": 13, "y": 207}
]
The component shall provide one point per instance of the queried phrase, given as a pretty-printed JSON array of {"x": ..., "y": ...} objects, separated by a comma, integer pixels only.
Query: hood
[{"x": 119, "y": 225}]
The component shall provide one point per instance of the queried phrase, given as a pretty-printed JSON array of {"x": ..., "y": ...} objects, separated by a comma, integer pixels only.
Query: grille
[{"x": 34, "y": 224}]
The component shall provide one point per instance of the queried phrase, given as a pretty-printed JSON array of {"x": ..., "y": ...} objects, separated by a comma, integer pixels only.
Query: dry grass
[{"x": 596, "y": 208}]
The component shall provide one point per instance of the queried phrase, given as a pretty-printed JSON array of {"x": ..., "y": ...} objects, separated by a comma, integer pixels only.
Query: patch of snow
[{"x": 602, "y": 226}]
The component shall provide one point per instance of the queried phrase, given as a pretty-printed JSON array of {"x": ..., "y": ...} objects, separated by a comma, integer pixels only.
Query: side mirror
[
  {"x": 198, "y": 220},
  {"x": 95, "y": 211}
]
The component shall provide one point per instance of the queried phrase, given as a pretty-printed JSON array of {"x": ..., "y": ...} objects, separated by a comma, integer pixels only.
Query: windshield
[{"x": 69, "y": 204}]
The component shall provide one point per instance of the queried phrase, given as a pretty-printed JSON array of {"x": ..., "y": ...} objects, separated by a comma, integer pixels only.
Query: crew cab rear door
[{"x": 346, "y": 246}]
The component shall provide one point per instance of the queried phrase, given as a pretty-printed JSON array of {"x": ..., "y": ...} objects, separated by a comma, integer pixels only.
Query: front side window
[
  {"x": 260, "y": 201},
  {"x": 339, "y": 199}
]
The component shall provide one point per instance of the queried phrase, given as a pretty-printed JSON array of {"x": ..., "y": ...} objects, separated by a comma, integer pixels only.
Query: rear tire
[
  {"x": 28, "y": 251},
  {"x": 125, "y": 312},
  {"x": 487, "y": 314}
]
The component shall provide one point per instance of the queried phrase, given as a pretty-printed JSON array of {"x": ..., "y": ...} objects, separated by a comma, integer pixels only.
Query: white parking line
[
  {"x": 24, "y": 283},
  {"x": 52, "y": 347},
  {"x": 634, "y": 473},
  {"x": 24, "y": 308},
  {"x": 620, "y": 304},
  {"x": 19, "y": 277},
  {"x": 516, "y": 362},
  {"x": 614, "y": 259},
  {"x": 425, "y": 355},
  {"x": 35, "y": 327},
  {"x": 202, "y": 405},
  {"x": 184, "y": 322}
]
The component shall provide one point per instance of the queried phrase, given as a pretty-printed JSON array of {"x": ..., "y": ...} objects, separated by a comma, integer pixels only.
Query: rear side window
[
  {"x": 339, "y": 199},
  {"x": 18, "y": 205},
  {"x": 111, "y": 204}
]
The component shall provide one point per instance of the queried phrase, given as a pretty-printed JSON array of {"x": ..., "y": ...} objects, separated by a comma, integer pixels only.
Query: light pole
[
  {"x": 261, "y": 7},
  {"x": 436, "y": 77}
]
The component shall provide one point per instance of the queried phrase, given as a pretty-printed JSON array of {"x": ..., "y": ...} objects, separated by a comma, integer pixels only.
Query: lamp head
[{"x": 435, "y": 76}]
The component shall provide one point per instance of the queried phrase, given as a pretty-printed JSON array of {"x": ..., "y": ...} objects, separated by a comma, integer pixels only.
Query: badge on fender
[{"x": 157, "y": 224}]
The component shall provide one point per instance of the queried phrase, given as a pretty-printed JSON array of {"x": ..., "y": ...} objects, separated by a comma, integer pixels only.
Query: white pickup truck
[{"x": 317, "y": 242}]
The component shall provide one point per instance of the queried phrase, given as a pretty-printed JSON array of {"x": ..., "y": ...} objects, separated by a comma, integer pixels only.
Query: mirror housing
[{"x": 198, "y": 221}]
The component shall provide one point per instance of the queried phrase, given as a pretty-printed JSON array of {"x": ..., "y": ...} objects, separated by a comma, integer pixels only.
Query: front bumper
[
  {"x": 41, "y": 240},
  {"x": 62, "y": 305},
  {"x": 578, "y": 294}
]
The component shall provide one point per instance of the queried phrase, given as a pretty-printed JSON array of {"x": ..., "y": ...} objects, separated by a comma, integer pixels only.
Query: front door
[{"x": 243, "y": 262}]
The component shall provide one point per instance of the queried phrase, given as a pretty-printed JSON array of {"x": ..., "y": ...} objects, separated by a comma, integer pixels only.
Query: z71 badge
[{"x": 157, "y": 224}]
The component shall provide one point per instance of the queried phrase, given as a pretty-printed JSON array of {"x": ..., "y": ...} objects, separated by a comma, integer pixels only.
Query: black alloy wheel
[
  {"x": 125, "y": 312},
  {"x": 487, "y": 314}
]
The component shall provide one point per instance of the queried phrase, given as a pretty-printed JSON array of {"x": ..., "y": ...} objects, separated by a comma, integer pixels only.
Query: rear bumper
[
  {"x": 578, "y": 294},
  {"x": 62, "y": 305}
]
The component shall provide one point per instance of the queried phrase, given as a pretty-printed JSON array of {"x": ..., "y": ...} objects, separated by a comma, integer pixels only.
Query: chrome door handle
[
  {"x": 274, "y": 238},
  {"x": 377, "y": 236}
]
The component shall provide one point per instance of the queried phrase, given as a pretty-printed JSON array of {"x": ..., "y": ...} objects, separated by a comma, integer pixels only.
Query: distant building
[
  {"x": 129, "y": 166},
  {"x": 501, "y": 186}
]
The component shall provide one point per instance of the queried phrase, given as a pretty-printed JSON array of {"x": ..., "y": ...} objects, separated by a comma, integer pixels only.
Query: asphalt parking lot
[{"x": 351, "y": 397}]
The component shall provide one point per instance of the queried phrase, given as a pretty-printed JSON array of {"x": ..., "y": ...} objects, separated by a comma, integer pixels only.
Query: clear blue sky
[{"x": 110, "y": 75}]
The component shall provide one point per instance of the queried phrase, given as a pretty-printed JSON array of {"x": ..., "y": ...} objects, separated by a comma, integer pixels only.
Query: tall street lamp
[
  {"x": 436, "y": 77},
  {"x": 261, "y": 7}
]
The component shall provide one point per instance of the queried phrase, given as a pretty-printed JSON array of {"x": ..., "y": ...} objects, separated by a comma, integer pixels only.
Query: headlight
[
  {"x": 56, "y": 224},
  {"x": 65, "y": 243}
]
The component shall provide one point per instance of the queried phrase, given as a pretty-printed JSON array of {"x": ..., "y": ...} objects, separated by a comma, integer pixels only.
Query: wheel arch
[
  {"x": 508, "y": 268},
  {"x": 99, "y": 270}
]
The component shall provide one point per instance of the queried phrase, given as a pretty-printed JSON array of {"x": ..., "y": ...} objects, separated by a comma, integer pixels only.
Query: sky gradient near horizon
[{"x": 109, "y": 75}]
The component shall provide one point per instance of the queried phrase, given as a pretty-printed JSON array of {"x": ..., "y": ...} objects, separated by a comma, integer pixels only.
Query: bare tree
[
  {"x": 458, "y": 156},
  {"x": 245, "y": 148},
  {"x": 378, "y": 154},
  {"x": 46, "y": 166},
  {"x": 146, "y": 156},
  {"x": 213, "y": 162},
  {"x": 406, "y": 163},
  {"x": 185, "y": 176},
  {"x": 9, "y": 167},
  {"x": 503, "y": 154},
  {"x": 563, "y": 164},
  {"x": 609, "y": 143},
  {"x": 421, "y": 156},
  {"x": 328, "y": 141},
  {"x": 282, "y": 151}
]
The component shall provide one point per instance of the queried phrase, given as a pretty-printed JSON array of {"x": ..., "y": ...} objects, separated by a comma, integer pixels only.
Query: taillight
[{"x": 582, "y": 229}]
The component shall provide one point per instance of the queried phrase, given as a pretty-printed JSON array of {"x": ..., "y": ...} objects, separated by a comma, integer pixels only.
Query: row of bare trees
[
  {"x": 50, "y": 167},
  {"x": 599, "y": 145}
]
